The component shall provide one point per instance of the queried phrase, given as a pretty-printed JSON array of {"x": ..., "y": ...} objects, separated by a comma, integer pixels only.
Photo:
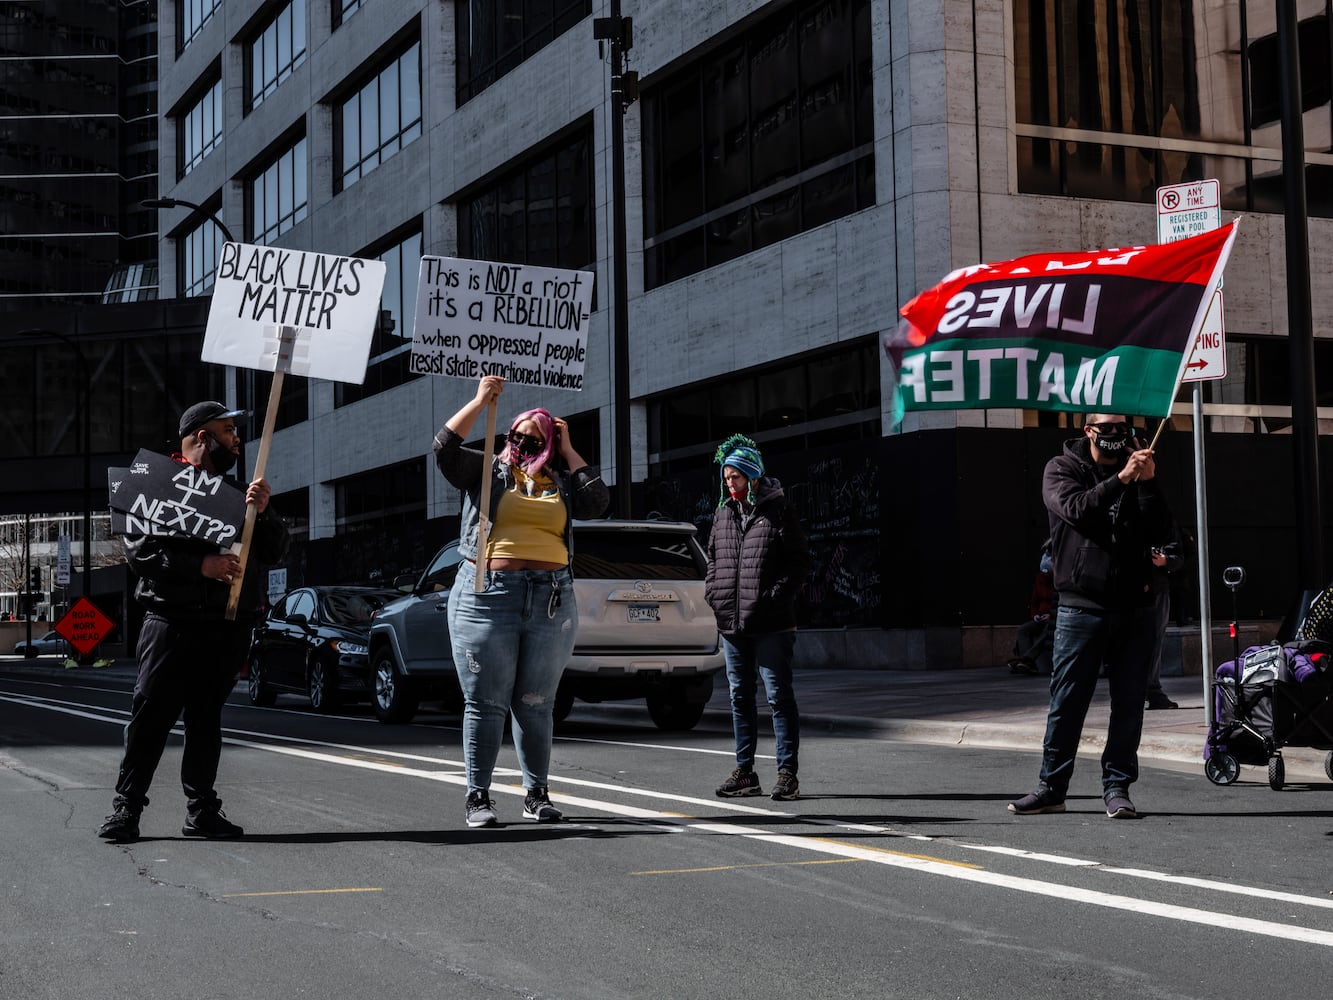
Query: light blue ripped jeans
[{"x": 511, "y": 643}]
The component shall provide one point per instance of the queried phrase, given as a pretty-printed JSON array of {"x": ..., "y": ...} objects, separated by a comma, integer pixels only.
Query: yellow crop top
[{"x": 529, "y": 527}]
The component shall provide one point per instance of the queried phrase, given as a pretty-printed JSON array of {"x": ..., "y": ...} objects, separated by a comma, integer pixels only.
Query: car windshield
[
  {"x": 620, "y": 555},
  {"x": 350, "y": 608}
]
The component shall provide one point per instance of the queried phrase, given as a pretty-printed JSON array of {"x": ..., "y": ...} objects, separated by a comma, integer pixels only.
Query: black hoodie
[{"x": 1102, "y": 530}]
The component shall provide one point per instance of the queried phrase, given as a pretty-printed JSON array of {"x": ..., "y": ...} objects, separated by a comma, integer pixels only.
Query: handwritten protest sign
[
  {"x": 157, "y": 495},
  {"x": 527, "y": 324},
  {"x": 329, "y": 302}
]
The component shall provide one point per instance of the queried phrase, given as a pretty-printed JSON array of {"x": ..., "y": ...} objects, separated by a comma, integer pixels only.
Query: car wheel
[
  {"x": 564, "y": 704},
  {"x": 391, "y": 694},
  {"x": 322, "y": 685},
  {"x": 257, "y": 684},
  {"x": 670, "y": 710}
]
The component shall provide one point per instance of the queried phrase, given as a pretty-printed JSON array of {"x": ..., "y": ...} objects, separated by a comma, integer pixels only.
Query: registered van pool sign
[{"x": 1185, "y": 210}]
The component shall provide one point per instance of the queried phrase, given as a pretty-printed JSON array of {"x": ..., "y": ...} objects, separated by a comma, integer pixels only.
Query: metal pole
[
  {"x": 1201, "y": 536},
  {"x": 615, "y": 29},
  {"x": 28, "y": 604},
  {"x": 87, "y": 471},
  {"x": 1300, "y": 334}
]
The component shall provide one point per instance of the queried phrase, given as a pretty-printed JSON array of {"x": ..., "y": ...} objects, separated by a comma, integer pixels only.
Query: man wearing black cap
[{"x": 189, "y": 653}]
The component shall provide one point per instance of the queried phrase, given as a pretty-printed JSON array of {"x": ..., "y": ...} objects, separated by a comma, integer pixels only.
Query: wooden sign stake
[
  {"x": 483, "y": 515},
  {"x": 287, "y": 336}
]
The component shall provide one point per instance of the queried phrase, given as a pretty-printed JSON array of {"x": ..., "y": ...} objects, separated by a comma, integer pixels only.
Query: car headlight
[{"x": 348, "y": 648}]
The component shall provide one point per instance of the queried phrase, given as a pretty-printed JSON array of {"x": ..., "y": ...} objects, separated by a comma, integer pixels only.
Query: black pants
[{"x": 184, "y": 668}]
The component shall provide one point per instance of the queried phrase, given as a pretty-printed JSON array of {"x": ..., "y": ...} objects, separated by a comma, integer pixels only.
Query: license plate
[{"x": 645, "y": 613}]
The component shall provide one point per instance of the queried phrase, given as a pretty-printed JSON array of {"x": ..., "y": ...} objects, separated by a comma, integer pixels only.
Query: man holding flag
[
  {"x": 1102, "y": 332},
  {"x": 1106, "y": 514}
]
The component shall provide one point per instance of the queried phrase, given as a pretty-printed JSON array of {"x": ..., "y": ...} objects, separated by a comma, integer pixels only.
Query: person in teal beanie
[{"x": 757, "y": 558}]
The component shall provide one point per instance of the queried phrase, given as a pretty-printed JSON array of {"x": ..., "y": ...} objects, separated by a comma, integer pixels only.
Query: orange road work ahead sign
[{"x": 84, "y": 626}]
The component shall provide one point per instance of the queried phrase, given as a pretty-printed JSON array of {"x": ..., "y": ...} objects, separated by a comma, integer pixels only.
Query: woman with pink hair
[{"x": 512, "y": 639}]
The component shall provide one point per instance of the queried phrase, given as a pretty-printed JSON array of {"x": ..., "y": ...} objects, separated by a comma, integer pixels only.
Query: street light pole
[
  {"x": 85, "y": 407},
  {"x": 619, "y": 31},
  {"x": 1300, "y": 335}
]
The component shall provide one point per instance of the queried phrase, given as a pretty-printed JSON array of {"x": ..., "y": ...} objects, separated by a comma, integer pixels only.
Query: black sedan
[{"x": 316, "y": 641}]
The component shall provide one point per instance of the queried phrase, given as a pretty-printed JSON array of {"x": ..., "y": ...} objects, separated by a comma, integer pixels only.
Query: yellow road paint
[
  {"x": 898, "y": 854},
  {"x": 294, "y": 892},
  {"x": 728, "y": 868}
]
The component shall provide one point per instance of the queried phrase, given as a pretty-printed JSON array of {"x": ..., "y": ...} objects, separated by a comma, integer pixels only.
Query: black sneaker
[
  {"x": 1043, "y": 800},
  {"x": 537, "y": 806},
  {"x": 743, "y": 781},
  {"x": 1160, "y": 700},
  {"x": 480, "y": 809},
  {"x": 121, "y": 827},
  {"x": 1118, "y": 806},
  {"x": 211, "y": 824},
  {"x": 787, "y": 787}
]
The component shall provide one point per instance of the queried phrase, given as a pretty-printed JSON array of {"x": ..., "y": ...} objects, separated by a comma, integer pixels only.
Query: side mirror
[{"x": 1234, "y": 577}]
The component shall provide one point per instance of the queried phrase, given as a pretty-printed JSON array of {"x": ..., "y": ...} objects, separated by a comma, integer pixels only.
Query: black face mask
[
  {"x": 1116, "y": 444},
  {"x": 223, "y": 458},
  {"x": 526, "y": 446}
]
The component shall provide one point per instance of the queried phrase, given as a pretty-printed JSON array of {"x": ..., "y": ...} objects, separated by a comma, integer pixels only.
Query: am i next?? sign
[{"x": 84, "y": 625}]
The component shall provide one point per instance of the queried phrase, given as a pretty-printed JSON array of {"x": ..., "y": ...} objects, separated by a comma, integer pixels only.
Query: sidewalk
[
  {"x": 981, "y": 707},
  {"x": 990, "y": 707}
]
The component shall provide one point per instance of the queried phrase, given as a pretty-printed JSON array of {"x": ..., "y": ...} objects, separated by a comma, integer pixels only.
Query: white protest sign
[
  {"x": 331, "y": 303},
  {"x": 527, "y": 324}
]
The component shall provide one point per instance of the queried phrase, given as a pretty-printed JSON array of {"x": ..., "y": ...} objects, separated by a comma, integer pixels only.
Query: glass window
[
  {"x": 766, "y": 136},
  {"x": 191, "y": 16},
  {"x": 1174, "y": 85},
  {"x": 500, "y": 34},
  {"x": 276, "y": 51},
  {"x": 382, "y": 117},
  {"x": 277, "y": 195},
  {"x": 537, "y": 212},
  {"x": 199, "y": 130},
  {"x": 197, "y": 258},
  {"x": 839, "y": 388},
  {"x": 343, "y": 9},
  {"x": 387, "y": 496},
  {"x": 392, "y": 340}
]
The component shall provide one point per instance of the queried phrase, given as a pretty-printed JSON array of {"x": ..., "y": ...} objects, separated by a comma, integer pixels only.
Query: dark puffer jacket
[
  {"x": 1102, "y": 531},
  {"x": 755, "y": 563}
]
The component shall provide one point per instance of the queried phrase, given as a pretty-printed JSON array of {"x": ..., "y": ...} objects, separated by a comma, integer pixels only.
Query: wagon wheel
[
  {"x": 1221, "y": 768},
  {"x": 1277, "y": 772}
]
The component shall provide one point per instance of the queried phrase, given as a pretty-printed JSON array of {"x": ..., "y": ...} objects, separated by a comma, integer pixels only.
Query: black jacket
[
  {"x": 1102, "y": 531},
  {"x": 171, "y": 585},
  {"x": 755, "y": 563}
]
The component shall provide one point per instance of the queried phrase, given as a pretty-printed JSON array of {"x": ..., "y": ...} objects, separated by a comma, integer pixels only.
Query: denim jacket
[{"x": 583, "y": 492}]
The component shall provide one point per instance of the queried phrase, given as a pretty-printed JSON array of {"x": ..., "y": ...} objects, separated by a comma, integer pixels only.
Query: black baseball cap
[{"x": 201, "y": 413}]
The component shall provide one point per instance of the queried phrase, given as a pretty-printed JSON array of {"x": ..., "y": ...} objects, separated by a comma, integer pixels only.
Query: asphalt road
[{"x": 899, "y": 874}]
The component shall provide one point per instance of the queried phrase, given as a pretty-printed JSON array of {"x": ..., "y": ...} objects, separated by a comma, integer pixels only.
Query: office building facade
[
  {"x": 78, "y": 110},
  {"x": 795, "y": 170}
]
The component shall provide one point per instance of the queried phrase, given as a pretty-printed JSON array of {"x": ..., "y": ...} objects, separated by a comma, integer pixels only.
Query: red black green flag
[{"x": 1106, "y": 331}]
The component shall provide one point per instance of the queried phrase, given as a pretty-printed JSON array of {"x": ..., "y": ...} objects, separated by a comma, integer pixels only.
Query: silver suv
[{"x": 645, "y": 630}]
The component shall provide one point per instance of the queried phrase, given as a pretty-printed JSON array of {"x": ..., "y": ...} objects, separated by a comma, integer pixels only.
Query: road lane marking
[
  {"x": 295, "y": 892},
  {"x": 1203, "y": 883},
  {"x": 1289, "y": 932},
  {"x": 765, "y": 864}
]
